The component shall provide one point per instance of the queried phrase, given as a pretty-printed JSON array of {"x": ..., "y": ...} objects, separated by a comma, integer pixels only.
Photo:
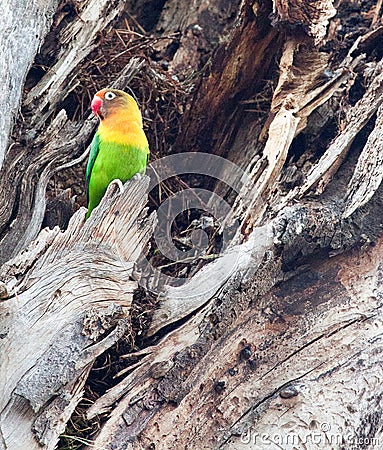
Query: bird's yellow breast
[{"x": 123, "y": 130}]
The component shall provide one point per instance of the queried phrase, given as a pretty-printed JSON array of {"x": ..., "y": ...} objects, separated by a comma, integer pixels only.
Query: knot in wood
[
  {"x": 288, "y": 392},
  {"x": 4, "y": 294}
]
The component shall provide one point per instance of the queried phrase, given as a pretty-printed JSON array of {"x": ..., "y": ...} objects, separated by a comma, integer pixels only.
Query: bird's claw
[
  {"x": 119, "y": 184},
  {"x": 137, "y": 176}
]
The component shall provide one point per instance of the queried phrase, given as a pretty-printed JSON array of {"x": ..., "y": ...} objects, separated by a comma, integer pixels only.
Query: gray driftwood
[{"x": 277, "y": 342}]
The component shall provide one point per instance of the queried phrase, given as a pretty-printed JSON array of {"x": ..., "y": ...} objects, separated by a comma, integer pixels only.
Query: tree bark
[
  {"x": 19, "y": 43},
  {"x": 268, "y": 337}
]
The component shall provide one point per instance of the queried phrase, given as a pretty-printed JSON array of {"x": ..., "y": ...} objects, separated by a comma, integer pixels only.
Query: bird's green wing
[{"x": 94, "y": 148}]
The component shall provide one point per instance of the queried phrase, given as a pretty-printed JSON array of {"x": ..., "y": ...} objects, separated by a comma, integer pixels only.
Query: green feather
[
  {"x": 94, "y": 148},
  {"x": 109, "y": 161}
]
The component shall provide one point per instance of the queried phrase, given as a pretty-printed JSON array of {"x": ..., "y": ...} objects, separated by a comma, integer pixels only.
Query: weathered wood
[
  {"x": 368, "y": 174},
  {"x": 240, "y": 383},
  {"x": 356, "y": 119},
  {"x": 311, "y": 17},
  {"x": 69, "y": 294},
  {"x": 295, "y": 98},
  {"x": 23, "y": 26},
  {"x": 66, "y": 139}
]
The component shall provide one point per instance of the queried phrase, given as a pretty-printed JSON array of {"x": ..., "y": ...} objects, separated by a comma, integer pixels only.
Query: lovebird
[{"x": 119, "y": 149}]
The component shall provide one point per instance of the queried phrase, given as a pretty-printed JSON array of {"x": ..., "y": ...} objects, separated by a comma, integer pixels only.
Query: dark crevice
[{"x": 147, "y": 12}]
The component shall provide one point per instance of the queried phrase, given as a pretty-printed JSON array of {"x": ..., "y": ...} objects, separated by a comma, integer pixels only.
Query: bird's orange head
[{"x": 109, "y": 102}]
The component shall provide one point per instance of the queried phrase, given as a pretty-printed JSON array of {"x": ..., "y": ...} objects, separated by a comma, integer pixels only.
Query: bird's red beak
[{"x": 96, "y": 105}]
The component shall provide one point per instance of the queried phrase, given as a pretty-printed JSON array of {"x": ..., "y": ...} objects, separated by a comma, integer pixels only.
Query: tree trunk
[{"x": 242, "y": 312}]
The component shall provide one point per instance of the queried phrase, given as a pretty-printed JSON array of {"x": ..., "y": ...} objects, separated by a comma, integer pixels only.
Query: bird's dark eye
[{"x": 109, "y": 95}]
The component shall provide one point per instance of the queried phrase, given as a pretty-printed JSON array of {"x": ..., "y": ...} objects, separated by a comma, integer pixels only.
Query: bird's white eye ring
[{"x": 110, "y": 96}]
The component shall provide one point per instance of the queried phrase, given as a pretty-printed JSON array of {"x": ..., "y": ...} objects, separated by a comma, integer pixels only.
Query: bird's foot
[
  {"x": 119, "y": 184},
  {"x": 137, "y": 176}
]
